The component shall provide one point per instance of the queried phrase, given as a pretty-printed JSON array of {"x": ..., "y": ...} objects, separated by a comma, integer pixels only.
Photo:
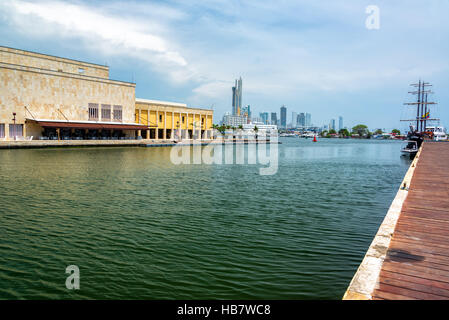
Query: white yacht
[{"x": 438, "y": 133}]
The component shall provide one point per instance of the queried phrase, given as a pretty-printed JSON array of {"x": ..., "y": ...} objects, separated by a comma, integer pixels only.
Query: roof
[
  {"x": 168, "y": 103},
  {"x": 57, "y": 57}
]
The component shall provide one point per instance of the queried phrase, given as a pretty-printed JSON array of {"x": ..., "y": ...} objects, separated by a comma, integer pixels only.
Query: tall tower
[
  {"x": 237, "y": 97},
  {"x": 284, "y": 117}
]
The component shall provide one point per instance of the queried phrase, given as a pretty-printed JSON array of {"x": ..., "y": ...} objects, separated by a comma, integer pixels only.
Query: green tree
[
  {"x": 222, "y": 129},
  {"x": 361, "y": 130},
  {"x": 378, "y": 131},
  {"x": 332, "y": 131},
  {"x": 324, "y": 133},
  {"x": 241, "y": 127},
  {"x": 343, "y": 132},
  {"x": 396, "y": 131},
  {"x": 256, "y": 129}
]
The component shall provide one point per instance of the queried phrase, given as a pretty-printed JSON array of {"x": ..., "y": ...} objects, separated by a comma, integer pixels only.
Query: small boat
[
  {"x": 411, "y": 148},
  {"x": 414, "y": 141},
  {"x": 287, "y": 135}
]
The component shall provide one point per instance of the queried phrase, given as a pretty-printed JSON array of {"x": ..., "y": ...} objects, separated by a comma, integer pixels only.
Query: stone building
[{"x": 48, "y": 97}]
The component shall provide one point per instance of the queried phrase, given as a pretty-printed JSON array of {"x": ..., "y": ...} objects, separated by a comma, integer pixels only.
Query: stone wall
[{"x": 34, "y": 94}]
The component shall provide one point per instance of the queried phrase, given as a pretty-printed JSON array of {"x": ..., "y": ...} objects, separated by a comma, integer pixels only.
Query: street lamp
[{"x": 14, "y": 127}]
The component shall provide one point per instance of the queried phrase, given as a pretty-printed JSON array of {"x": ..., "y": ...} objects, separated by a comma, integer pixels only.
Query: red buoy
[{"x": 314, "y": 138}]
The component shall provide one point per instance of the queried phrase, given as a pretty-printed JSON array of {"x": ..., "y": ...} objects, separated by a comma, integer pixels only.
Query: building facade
[
  {"x": 175, "y": 121},
  {"x": 301, "y": 119},
  {"x": 233, "y": 120},
  {"x": 264, "y": 117},
  {"x": 332, "y": 125},
  {"x": 308, "y": 120},
  {"x": 340, "y": 123},
  {"x": 294, "y": 119},
  {"x": 274, "y": 118},
  {"x": 49, "y": 97},
  {"x": 283, "y": 117},
  {"x": 237, "y": 97}
]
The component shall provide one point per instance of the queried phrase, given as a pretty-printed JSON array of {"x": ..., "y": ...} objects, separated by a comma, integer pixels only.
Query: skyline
[{"x": 311, "y": 57}]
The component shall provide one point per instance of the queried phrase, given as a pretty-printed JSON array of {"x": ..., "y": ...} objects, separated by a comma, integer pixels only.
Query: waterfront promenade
[
  {"x": 409, "y": 257},
  {"x": 23, "y": 144}
]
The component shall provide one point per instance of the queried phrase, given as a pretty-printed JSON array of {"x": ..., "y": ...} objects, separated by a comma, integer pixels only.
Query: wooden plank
[
  {"x": 417, "y": 280},
  {"x": 408, "y": 292},
  {"x": 427, "y": 289},
  {"x": 382, "y": 295},
  {"x": 417, "y": 261}
]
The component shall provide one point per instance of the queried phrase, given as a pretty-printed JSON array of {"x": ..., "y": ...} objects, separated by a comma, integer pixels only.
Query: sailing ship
[{"x": 419, "y": 129}]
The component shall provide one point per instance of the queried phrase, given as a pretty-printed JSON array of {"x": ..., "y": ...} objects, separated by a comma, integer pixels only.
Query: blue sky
[{"x": 313, "y": 56}]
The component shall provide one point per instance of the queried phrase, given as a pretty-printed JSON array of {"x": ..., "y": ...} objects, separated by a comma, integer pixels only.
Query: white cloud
[{"x": 99, "y": 29}]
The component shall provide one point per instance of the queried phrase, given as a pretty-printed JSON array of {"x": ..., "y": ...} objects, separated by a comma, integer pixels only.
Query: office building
[
  {"x": 340, "y": 123},
  {"x": 283, "y": 117},
  {"x": 301, "y": 119},
  {"x": 332, "y": 125},
  {"x": 264, "y": 117},
  {"x": 294, "y": 119},
  {"x": 237, "y": 97},
  {"x": 274, "y": 118},
  {"x": 308, "y": 120}
]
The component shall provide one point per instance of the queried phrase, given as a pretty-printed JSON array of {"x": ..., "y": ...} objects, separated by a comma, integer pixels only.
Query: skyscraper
[
  {"x": 274, "y": 118},
  {"x": 264, "y": 117},
  {"x": 294, "y": 119},
  {"x": 332, "y": 124},
  {"x": 301, "y": 119},
  {"x": 237, "y": 97},
  {"x": 340, "y": 122},
  {"x": 308, "y": 120},
  {"x": 283, "y": 117}
]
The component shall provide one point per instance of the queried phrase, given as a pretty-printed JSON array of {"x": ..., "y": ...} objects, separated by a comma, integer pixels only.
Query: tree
[
  {"x": 396, "y": 131},
  {"x": 222, "y": 129},
  {"x": 240, "y": 127},
  {"x": 360, "y": 129},
  {"x": 343, "y": 132},
  {"x": 256, "y": 129},
  {"x": 378, "y": 131},
  {"x": 324, "y": 133},
  {"x": 332, "y": 131}
]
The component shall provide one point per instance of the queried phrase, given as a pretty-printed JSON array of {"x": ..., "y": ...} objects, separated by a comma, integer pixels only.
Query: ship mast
[{"x": 421, "y": 105}]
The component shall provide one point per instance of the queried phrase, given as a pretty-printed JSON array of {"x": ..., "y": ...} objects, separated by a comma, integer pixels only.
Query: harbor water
[{"x": 140, "y": 227}]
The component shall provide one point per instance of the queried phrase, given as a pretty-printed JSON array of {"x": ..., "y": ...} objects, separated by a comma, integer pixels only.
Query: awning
[{"x": 90, "y": 125}]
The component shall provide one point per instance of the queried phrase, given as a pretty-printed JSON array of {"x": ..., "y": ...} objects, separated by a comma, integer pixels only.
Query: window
[
  {"x": 16, "y": 130},
  {"x": 160, "y": 118},
  {"x": 117, "y": 113},
  {"x": 2, "y": 131},
  {"x": 182, "y": 119},
  {"x": 80, "y": 70},
  {"x": 105, "y": 112},
  {"x": 93, "y": 111}
]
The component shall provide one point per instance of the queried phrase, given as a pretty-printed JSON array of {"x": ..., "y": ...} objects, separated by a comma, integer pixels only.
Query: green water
[{"x": 139, "y": 227}]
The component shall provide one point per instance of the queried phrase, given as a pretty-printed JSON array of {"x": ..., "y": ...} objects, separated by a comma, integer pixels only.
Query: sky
[{"x": 311, "y": 56}]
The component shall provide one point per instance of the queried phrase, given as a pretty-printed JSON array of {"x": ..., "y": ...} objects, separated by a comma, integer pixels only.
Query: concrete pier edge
[
  {"x": 365, "y": 279},
  {"x": 23, "y": 144}
]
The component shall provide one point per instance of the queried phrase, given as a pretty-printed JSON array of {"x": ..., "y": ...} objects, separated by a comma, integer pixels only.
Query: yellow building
[
  {"x": 49, "y": 97},
  {"x": 170, "y": 120}
]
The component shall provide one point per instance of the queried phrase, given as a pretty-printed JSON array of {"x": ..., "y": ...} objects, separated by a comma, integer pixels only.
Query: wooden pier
[{"x": 412, "y": 262}]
